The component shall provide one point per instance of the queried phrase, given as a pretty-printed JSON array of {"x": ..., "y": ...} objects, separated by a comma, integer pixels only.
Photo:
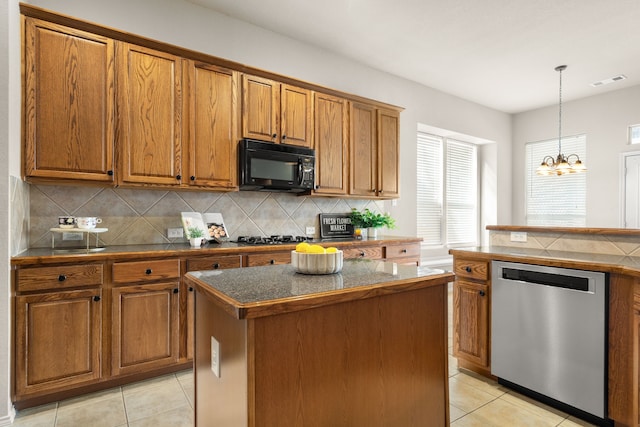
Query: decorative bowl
[{"x": 310, "y": 263}]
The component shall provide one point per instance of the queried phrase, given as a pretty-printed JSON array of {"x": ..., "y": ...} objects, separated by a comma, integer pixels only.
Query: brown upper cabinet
[
  {"x": 331, "y": 142},
  {"x": 149, "y": 116},
  {"x": 105, "y": 107},
  {"x": 374, "y": 147},
  {"x": 69, "y": 104},
  {"x": 211, "y": 118},
  {"x": 277, "y": 112}
]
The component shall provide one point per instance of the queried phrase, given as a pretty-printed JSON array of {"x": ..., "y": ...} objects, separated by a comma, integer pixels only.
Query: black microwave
[{"x": 266, "y": 166}]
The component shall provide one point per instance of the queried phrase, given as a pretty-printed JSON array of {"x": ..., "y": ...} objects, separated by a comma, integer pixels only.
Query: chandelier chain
[{"x": 560, "y": 115}]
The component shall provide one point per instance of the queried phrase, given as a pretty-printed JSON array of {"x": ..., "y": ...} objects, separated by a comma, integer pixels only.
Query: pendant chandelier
[{"x": 561, "y": 164}]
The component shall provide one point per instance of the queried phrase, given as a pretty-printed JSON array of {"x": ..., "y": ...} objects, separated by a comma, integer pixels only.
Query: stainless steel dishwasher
[{"x": 549, "y": 335}]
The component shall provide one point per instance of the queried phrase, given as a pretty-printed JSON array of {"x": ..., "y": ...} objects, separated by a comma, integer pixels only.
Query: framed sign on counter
[{"x": 336, "y": 226}]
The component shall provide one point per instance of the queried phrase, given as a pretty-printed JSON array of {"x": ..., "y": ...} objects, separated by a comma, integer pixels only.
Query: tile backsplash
[{"x": 139, "y": 216}]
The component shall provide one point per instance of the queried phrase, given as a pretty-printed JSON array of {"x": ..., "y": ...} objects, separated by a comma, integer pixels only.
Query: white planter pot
[
  {"x": 372, "y": 233},
  {"x": 195, "y": 242}
]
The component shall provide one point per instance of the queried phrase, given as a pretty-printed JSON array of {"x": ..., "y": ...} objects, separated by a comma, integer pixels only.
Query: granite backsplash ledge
[{"x": 139, "y": 216}]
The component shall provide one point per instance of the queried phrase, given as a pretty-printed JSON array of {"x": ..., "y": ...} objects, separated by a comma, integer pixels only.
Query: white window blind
[
  {"x": 461, "y": 193},
  {"x": 429, "y": 186},
  {"x": 557, "y": 201},
  {"x": 447, "y": 195}
]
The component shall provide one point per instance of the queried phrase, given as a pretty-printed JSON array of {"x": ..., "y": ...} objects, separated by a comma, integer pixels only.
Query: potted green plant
[
  {"x": 195, "y": 236},
  {"x": 371, "y": 221}
]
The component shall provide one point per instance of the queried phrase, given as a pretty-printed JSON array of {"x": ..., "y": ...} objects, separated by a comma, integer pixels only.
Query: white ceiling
[{"x": 498, "y": 53}]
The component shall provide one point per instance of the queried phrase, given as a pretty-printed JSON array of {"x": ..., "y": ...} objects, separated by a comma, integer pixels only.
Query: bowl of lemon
[{"x": 315, "y": 259}]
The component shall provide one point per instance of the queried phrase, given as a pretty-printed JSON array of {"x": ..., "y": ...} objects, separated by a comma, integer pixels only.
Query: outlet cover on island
[
  {"x": 215, "y": 357},
  {"x": 518, "y": 236}
]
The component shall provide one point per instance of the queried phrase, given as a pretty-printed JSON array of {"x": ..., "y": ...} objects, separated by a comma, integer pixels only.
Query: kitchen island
[{"x": 366, "y": 346}]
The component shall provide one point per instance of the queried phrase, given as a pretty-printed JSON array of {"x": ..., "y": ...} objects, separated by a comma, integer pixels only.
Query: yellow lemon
[
  {"x": 332, "y": 250},
  {"x": 302, "y": 247},
  {"x": 315, "y": 249}
]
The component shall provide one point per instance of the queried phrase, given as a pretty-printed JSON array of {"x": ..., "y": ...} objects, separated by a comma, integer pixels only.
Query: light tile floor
[{"x": 167, "y": 401}]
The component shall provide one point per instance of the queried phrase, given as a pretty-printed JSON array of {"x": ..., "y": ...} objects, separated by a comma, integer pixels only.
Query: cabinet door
[
  {"x": 212, "y": 130},
  {"x": 69, "y": 103},
  {"x": 388, "y": 153},
  {"x": 149, "y": 116},
  {"x": 260, "y": 108},
  {"x": 144, "y": 327},
  {"x": 471, "y": 322},
  {"x": 331, "y": 144},
  {"x": 363, "y": 173},
  {"x": 58, "y": 340},
  {"x": 296, "y": 116}
]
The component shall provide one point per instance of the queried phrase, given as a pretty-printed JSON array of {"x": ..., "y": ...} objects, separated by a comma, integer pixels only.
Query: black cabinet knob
[
  {"x": 62, "y": 278},
  {"x": 175, "y": 291},
  {"x": 274, "y": 135},
  {"x": 178, "y": 177},
  {"x": 273, "y": 261},
  {"x": 149, "y": 271},
  {"x": 216, "y": 266},
  {"x": 373, "y": 190},
  {"x": 96, "y": 298},
  {"x": 110, "y": 173},
  {"x": 482, "y": 293},
  {"x": 362, "y": 253},
  {"x": 404, "y": 251},
  {"x": 468, "y": 269},
  {"x": 317, "y": 187},
  {"x": 190, "y": 288},
  {"x": 284, "y": 137},
  {"x": 381, "y": 191},
  {"x": 192, "y": 178}
]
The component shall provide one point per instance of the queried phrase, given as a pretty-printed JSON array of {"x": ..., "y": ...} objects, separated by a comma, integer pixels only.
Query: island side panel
[
  {"x": 219, "y": 401},
  {"x": 377, "y": 362}
]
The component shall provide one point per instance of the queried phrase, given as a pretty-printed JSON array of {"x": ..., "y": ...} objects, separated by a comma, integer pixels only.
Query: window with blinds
[
  {"x": 557, "y": 201},
  {"x": 447, "y": 191}
]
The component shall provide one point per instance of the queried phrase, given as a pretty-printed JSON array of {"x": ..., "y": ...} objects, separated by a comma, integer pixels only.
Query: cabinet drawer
[
  {"x": 146, "y": 271},
  {"x": 268, "y": 259},
  {"x": 471, "y": 269},
  {"x": 60, "y": 277},
  {"x": 402, "y": 251},
  {"x": 369, "y": 253},
  {"x": 213, "y": 263}
]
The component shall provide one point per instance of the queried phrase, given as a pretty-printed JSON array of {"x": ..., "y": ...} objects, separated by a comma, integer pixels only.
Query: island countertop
[{"x": 263, "y": 291}]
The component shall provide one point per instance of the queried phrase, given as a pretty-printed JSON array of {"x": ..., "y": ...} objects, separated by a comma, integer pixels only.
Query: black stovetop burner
[{"x": 271, "y": 240}]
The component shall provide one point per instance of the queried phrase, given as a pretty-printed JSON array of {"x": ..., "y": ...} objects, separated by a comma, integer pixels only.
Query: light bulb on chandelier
[{"x": 561, "y": 164}]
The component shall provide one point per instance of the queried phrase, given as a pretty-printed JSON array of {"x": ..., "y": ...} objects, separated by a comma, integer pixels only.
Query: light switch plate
[
  {"x": 174, "y": 233},
  {"x": 310, "y": 231},
  {"x": 215, "y": 357},
  {"x": 518, "y": 236}
]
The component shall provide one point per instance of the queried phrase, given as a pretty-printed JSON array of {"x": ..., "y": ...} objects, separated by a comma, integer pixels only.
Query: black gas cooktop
[{"x": 271, "y": 240}]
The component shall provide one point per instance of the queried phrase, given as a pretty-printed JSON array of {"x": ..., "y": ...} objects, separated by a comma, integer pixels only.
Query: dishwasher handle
[{"x": 548, "y": 279}]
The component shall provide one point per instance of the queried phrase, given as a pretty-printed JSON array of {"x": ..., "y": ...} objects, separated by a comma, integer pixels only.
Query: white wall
[
  {"x": 188, "y": 25},
  {"x": 605, "y": 120}
]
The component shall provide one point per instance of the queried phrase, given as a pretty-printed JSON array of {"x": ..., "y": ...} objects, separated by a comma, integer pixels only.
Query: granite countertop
[
  {"x": 622, "y": 264},
  {"x": 259, "y": 291},
  {"x": 44, "y": 255}
]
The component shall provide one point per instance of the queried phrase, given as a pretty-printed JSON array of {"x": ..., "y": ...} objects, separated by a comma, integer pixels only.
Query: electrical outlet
[
  {"x": 215, "y": 357},
  {"x": 174, "y": 233},
  {"x": 310, "y": 231},
  {"x": 518, "y": 236},
  {"x": 72, "y": 236}
]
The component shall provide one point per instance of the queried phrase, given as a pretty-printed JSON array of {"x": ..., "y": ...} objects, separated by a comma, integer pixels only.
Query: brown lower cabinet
[{"x": 81, "y": 326}]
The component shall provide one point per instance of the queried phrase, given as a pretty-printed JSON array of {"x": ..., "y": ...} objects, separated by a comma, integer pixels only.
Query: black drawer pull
[
  {"x": 273, "y": 261},
  {"x": 404, "y": 251},
  {"x": 178, "y": 177},
  {"x": 190, "y": 288},
  {"x": 468, "y": 269},
  {"x": 62, "y": 278},
  {"x": 149, "y": 271},
  {"x": 193, "y": 178},
  {"x": 96, "y": 298},
  {"x": 175, "y": 291},
  {"x": 216, "y": 266},
  {"x": 482, "y": 293},
  {"x": 362, "y": 253}
]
